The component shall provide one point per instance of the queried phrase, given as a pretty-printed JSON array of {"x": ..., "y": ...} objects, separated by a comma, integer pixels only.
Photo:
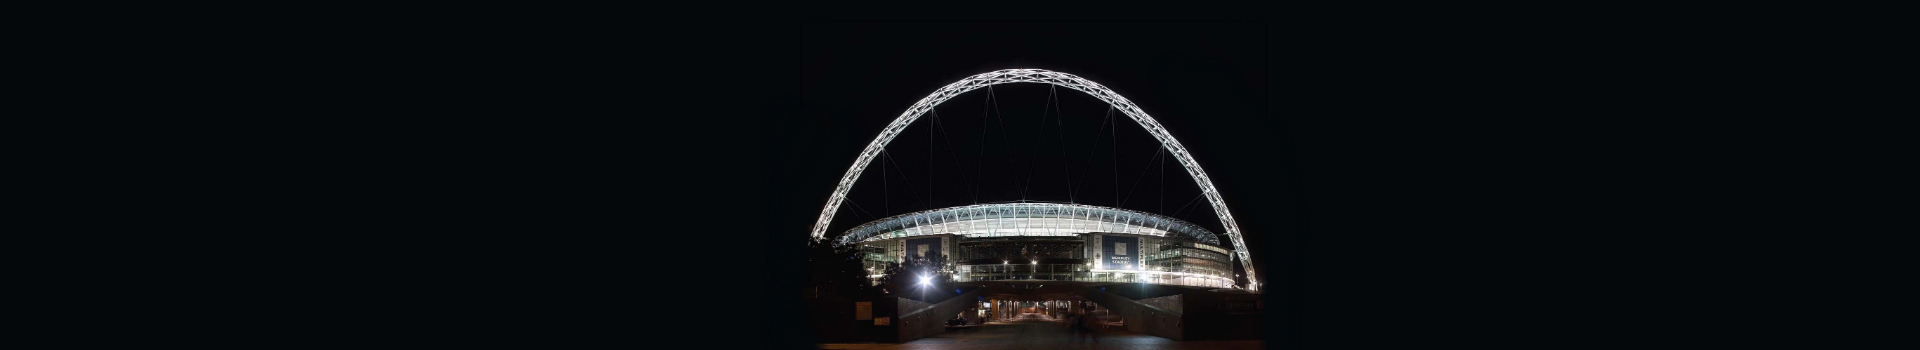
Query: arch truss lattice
[{"x": 1009, "y": 76}]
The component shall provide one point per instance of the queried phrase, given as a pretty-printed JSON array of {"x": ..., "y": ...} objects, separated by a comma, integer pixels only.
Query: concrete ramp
[
  {"x": 1181, "y": 313},
  {"x": 919, "y": 320},
  {"x": 1140, "y": 317}
]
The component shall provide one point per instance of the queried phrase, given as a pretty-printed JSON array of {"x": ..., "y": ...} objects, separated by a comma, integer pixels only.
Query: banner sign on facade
[
  {"x": 1121, "y": 253},
  {"x": 923, "y": 248}
]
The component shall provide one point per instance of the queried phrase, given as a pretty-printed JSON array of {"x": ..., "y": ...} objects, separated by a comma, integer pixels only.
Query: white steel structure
[
  {"x": 1025, "y": 219},
  {"x": 1069, "y": 81}
]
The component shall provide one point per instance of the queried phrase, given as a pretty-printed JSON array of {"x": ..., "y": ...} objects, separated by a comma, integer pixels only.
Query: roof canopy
[{"x": 1026, "y": 219}]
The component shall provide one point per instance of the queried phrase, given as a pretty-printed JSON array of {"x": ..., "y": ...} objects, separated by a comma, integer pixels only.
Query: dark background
[{"x": 1403, "y": 185}]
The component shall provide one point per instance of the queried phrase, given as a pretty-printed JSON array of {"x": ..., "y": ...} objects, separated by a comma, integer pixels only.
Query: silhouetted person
[
  {"x": 1088, "y": 327},
  {"x": 1072, "y": 324}
]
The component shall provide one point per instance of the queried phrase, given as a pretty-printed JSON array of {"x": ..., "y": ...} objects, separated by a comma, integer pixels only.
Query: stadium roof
[{"x": 1026, "y": 219}]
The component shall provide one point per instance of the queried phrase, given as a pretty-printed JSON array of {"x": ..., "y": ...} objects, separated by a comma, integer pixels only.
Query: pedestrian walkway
[{"x": 1043, "y": 335}]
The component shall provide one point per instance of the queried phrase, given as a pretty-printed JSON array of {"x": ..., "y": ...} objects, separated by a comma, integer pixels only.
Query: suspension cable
[
  {"x": 1034, "y": 160},
  {"x": 1005, "y": 142},
  {"x": 1096, "y": 140},
  {"x": 903, "y": 175},
  {"x": 870, "y": 216},
  {"x": 886, "y": 194},
  {"x": 1190, "y": 202},
  {"x": 1143, "y": 175},
  {"x": 979, "y": 165},
  {"x": 930, "y": 163},
  {"x": 950, "y": 152},
  {"x": 1059, "y": 125}
]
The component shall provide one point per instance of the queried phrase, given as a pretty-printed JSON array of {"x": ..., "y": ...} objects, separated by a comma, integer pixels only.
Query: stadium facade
[{"x": 1047, "y": 242}]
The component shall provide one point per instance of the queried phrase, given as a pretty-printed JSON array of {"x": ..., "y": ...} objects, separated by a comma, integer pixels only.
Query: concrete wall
[
  {"x": 919, "y": 320},
  {"x": 1220, "y": 316},
  {"x": 1200, "y": 314},
  {"x": 1140, "y": 318},
  {"x": 832, "y": 320}
]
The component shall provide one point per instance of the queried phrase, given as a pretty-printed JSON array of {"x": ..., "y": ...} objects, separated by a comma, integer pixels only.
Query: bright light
[{"x": 924, "y": 280}]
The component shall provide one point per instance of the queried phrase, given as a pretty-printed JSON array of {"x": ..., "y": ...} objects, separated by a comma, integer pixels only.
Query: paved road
[{"x": 1044, "y": 335}]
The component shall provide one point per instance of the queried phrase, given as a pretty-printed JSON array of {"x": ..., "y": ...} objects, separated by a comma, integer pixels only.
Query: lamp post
[{"x": 924, "y": 283}]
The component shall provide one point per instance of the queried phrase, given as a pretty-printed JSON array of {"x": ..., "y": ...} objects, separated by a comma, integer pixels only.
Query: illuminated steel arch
[{"x": 1008, "y": 76}]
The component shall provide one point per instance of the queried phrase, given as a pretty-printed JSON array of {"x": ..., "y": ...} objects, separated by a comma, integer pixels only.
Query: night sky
[{"x": 1437, "y": 180}]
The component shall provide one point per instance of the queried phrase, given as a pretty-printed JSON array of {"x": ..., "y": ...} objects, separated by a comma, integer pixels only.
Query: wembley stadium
[
  {"x": 960, "y": 260},
  {"x": 1047, "y": 242}
]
